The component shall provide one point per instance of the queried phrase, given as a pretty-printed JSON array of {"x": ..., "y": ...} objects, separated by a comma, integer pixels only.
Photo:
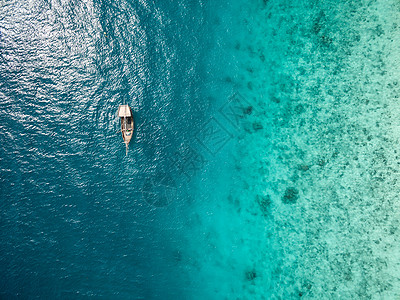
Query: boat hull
[{"x": 127, "y": 123}]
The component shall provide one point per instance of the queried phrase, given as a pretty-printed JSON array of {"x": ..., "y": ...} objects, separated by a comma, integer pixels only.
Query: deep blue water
[{"x": 78, "y": 217}]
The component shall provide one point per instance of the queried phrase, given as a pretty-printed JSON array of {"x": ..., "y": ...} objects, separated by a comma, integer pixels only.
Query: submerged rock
[
  {"x": 321, "y": 162},
  {"x": 257, "y": 126},
  {"x": 264, "y": 202},
  {"x": 248, "y": 110},
  {"x": 251, "y": 275},
  {"x": 326, "y": 40},
  {"x": 319, "y": 23},
  {"x": 291, "y": 195},
  {"x": 299, "y": 109},
  {"x": 304, "y": 167},
  {"x": 275, "y": 99},
  {"x": 177, "y": 255},
  {"x": 228, "y": 79}
]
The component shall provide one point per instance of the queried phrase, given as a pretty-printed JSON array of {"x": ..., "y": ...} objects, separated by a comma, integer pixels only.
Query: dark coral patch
[
  {"x": 304, "y": 167},
  {"x": 248, "y": 110},
  {"x": 264, "y": 202},
  {"x": 251, "y": 275},
  {"x": 291, "y": 195},
  {"x": 276, "y": 100},
  {"x": 321, "y": 162},
  {"x": 257, "y": 126},
  {"x": 228, "y": 79}
]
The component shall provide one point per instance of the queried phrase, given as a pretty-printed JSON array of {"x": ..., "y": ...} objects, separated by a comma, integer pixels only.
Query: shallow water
[
  {"x": 264, "y": 164},
  {"x": 319, "y": 157}
]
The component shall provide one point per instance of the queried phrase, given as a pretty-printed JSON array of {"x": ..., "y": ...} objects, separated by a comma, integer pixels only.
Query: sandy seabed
[
  {"x": 314, "y": 209},
  {"x": 319, "y": 153}
]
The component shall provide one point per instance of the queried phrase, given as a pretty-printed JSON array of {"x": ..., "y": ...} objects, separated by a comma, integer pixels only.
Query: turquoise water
[{"x": 264, "y": 164}]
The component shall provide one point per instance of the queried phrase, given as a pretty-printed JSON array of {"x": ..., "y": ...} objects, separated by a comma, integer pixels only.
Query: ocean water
[
  {"x": 78, "y": 217},
  {"x": 318, "y": 157},
  {"x": 264, "y": 163}
]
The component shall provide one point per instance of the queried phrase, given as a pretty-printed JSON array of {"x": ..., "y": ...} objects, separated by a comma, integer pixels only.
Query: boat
[{"x": 127, "y": 124}]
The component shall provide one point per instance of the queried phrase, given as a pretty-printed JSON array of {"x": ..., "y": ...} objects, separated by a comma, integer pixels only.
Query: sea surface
[{"x": 265, "y": 160}]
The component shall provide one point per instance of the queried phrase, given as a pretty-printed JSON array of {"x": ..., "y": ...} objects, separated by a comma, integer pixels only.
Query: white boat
[{"x": 127, "y": 124}]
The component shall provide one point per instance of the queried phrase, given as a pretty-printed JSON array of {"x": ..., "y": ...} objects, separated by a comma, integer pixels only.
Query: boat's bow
[{"x": 127, "y": 124}]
